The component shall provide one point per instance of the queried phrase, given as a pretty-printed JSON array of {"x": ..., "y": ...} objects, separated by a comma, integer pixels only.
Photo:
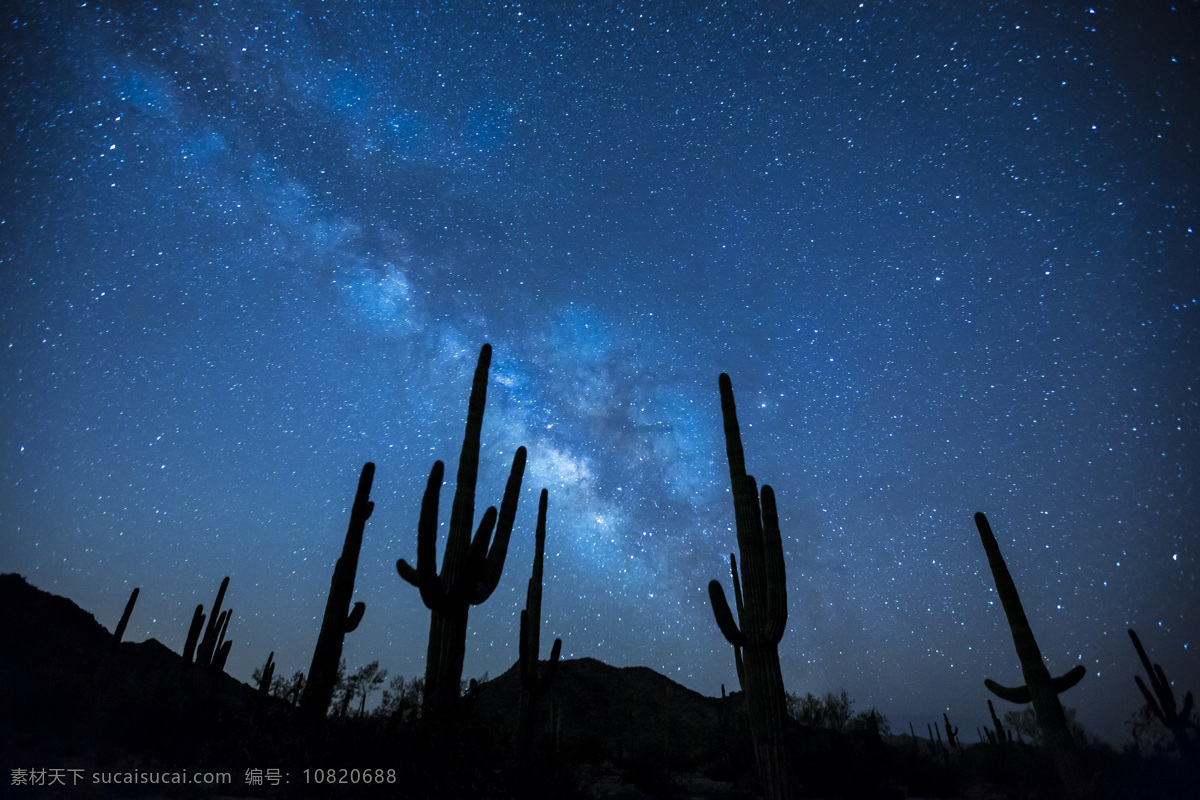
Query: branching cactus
[
  {"x": 212, "y": 651},
  {"x": 761, "y": 610},
  {"x": 951, "y": 732},
  {"x": 1039, "y": 689},
  {"x": 1161, "y": 701},
  {"x": 339, "y": 618},
  {"x": 471, "y": 566},
  {"x": 536, "y": 678},
  {"x": 120, "y": 631},
  {"x": 997, "y": 734}
]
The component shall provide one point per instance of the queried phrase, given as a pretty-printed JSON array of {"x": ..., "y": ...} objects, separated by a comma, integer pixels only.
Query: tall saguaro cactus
[
  {"x": 535, "y": 679},
  {"x": 471, "y": 566},
  {"x": 339, "y": 619},
  {"x": 1039, "y": 689},
  {"x": 761, "y": 610}
]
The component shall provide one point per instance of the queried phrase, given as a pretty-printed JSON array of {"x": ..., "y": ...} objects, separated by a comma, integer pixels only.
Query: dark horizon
[{"x": 948, "y": 258}]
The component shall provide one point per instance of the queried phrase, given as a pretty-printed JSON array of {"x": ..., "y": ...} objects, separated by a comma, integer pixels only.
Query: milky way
[{"x": 947, "y": 256}]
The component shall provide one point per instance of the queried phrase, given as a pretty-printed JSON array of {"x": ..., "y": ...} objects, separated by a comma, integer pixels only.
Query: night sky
[{"x": 947, "y": 255}]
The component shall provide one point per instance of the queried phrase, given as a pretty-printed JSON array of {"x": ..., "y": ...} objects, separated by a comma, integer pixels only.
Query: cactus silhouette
[
  {"x": 213, "y": 650},
  {"x": 1039, "y": 689},
  {"x": 996, "y": 734},
  {"x": 761, "y": 610},
  {"x": 120, "y": 631},
  {"x": 536, "y": 679},
  {"x": 1161, "y": 701},
  {"x": 268, "y": 674},
  {"x": 951, "y": 733},
  {"x": 470, "y": 568},
  {"x": 339, "y": 619}
]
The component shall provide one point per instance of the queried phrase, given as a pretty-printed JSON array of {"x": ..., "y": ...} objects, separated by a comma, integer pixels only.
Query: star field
[{"x": 947, "y": 255}]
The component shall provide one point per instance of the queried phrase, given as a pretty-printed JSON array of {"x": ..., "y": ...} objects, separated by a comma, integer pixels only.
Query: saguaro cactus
[
  {"x": 1039, "y": 688},
  {"x": 1162, "y": 701},
  {"x": 996, "y": 734},
  {"x": 213, "y": 650},
  {"x": 762, "y": 610},
  {"x": 470, "y": 568},
  {"x": 951, "y": 732},
  {"x": 120, "y": 631},
  {"x": 268, "y": 674},
  {"x": 339, "y": 619},
  {"x": 536, "y": 679}
]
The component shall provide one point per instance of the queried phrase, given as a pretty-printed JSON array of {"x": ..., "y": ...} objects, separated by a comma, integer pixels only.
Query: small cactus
[
  {"x": 997, "y": 734},
  {"x": 951, "y": 733}
]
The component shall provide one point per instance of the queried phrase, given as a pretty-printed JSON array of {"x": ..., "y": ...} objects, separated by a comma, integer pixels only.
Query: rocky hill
[{"x": 72, "y": 696}]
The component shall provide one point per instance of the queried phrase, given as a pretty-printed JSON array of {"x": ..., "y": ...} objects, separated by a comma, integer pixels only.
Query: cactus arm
[
  {"x": 432, "y": 589},
  {"x": 724, "y": 617},
  {"x": 775, "y": 571},
  {"x": 1141, "y": 651},
  {"x": 1150, "y": 699},
  {"x": 1068, "y": 679},
  {"x": 214, "y": 620},
  {"x": 1020, "y": 694},
  {"x": 407, "y": 572},
  {"x": 493, "y": 565},
  {"x": 470, "y": 583},
  {"x": 424, "y": 576},
  {"x": 1013, "y": 694},
  {"x": 268, "y": 672},
  {"x": 737, "y": 586},
  {"x": 221, "y": 657},
  {"x": 193, "y": 636},
  {"x": 120, "y": 631},
  {"x": 355, "y": 617},
  {"x": 556, "y": 650},
  {"x": 224, "y": 627},
  {"x": 739, "y": 665}
]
